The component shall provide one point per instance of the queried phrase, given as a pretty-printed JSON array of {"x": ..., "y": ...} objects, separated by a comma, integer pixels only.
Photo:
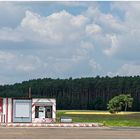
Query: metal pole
[{"x": 30, "y": 94}]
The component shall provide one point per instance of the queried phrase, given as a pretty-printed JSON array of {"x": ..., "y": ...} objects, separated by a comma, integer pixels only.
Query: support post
[{"x": 30, "y": 92}]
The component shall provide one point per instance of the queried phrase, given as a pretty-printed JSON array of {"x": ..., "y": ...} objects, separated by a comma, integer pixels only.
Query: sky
[{"x": 68, "y": 39}]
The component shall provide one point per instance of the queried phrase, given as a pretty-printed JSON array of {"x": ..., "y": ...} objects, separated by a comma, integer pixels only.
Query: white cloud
[
  {"x": 27, "y": 63},
  {"x": 87, "y": 45},
  {"x": 129, "y": 70},
  {"x": 11, "y": 13},
  {"x": 114, "y": 45},
  {"x": 6, "y": 57},
  {"x": 93, "y": 29},
  {"x": 84, "y": 49},
  {"x": 25, "y": 67},
  {"x": 62, "y": 44},
  {"x": 8, "y": 34},
  {"x": 106, "y": 21},
  {"x": 94, "y": 65},
  {"x": 76, "y": 4},
  {"x": 18, "y": 63},
  {"x": 128, "y": 38},
  {"x": 63, "y": 35},
  {"x": 56, "y": 28}
]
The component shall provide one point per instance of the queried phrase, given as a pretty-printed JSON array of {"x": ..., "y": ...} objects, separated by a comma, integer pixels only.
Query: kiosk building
[{"x": 28, "y": 110}]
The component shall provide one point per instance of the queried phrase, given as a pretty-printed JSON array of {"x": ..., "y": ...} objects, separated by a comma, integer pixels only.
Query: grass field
[{"x": 120, "y": 119}]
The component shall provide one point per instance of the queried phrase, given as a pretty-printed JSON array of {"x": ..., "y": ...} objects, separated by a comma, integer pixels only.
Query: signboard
[
  {"x": 43, "y": 104},
  {"x": 22, "y": 109},
  {"x": 66, "y": 120}
]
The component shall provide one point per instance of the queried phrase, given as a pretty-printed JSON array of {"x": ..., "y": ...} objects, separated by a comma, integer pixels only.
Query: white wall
[
  {"x": 4, "y": 108},
  {"x": 9, "y": 110}
]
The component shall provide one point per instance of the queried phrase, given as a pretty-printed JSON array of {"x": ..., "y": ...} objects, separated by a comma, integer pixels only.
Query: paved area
[{"x": 67, "y": 133}]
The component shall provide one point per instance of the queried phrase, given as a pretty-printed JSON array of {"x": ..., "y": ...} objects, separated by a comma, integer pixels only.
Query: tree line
[{"x": 79, "y": 93}]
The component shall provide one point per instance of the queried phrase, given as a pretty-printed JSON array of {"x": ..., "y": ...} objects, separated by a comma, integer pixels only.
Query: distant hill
[{"x": 80, "y": 93}]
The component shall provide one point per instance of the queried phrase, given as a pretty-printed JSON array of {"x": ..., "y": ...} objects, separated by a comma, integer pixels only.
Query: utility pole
[{"x": 30, "y": 92}]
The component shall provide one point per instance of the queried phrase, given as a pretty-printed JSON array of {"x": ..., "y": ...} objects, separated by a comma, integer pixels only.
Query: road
[{"x": 67, "y": 133}]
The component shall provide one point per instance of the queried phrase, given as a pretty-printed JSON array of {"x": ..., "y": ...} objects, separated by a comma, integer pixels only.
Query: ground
[
  {"x": 67, "y": 133},
  {"x": 120, "y": 119}
]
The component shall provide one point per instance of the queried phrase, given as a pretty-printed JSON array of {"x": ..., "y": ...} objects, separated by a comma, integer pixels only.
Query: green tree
[
  {"x": 114, "y": 105},
  {"x": 127, "y": 101},
  {"x": 117, "y": 103}
]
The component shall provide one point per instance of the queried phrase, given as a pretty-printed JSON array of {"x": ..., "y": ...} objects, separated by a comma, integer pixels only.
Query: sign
[
  {"x": 22, "y": 110},
  {"x": 66, "y": 120},
  {"x": 44, "y": 104}
]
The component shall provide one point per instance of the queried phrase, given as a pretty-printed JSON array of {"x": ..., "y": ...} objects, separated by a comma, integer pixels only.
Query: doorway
[{"x": 43, "y": 112}]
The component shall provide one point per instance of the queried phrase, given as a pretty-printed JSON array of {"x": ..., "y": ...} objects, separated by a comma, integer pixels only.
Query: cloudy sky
[{"x": 68, "y": 39}]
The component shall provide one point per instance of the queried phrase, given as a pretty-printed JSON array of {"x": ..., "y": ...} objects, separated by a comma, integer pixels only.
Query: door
[
  {"x": 41, "y": 112},
  {"x": 22, "y": 110}
]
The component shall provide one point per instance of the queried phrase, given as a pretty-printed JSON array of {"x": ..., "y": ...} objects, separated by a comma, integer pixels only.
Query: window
[
  {"x": 43, "y": 111},
  {"x": 48, "y": 112}
]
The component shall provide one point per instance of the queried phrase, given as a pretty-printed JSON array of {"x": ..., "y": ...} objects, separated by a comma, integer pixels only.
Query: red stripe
[
  {"x": 2, "y": 110},
  {"x": 2, "y": 106},
  {"x": 33, "y": 105},
  {"x": 35, "y": 102},
  {"x": 11, "y": 110},
  {"x": 6, "y": 110}
]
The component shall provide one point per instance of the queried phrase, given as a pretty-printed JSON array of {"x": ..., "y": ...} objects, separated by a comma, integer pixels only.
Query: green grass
[{"x": 122, "y": 119}]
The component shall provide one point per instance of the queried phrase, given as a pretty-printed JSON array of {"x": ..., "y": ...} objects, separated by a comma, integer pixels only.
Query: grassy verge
[{"x": 120, "y": 119}]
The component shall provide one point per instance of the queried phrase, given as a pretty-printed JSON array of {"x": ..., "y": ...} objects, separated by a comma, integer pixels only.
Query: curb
[{"x": 53, "y": 125}]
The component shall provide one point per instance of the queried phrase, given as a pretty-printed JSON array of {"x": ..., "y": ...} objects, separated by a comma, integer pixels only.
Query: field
[{"x": 120, "y": 119}]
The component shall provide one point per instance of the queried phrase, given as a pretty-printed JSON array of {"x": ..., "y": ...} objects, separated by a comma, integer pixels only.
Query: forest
[{"x": 80, "y": 93}]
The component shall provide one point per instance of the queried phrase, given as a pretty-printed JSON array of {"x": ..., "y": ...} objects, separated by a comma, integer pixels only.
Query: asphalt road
[{"x": 70, "y": 133}]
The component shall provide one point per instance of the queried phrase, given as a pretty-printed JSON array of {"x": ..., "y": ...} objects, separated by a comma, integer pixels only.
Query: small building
[{"x": 27, "y": 110}]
